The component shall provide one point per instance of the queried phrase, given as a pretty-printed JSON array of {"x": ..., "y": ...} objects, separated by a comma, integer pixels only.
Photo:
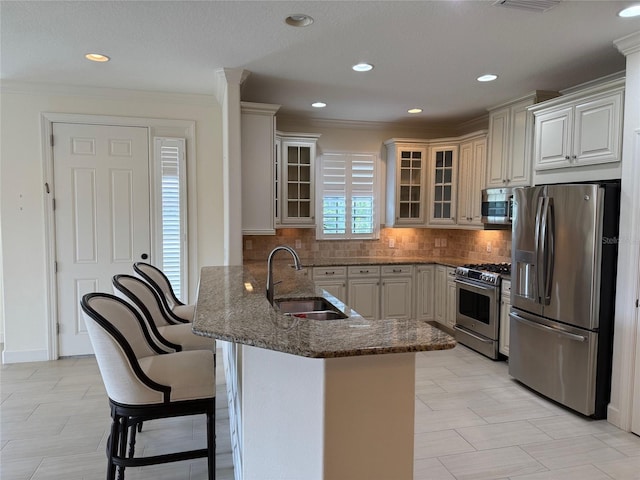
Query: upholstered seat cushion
[
  {"x": 190, "y": 375},
  {"x": 183, "y": 335},
  {"x": 185, "y": 312}
]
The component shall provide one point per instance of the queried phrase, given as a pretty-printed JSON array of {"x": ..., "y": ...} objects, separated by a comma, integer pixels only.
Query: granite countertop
[{"x": 232, "y": 306}]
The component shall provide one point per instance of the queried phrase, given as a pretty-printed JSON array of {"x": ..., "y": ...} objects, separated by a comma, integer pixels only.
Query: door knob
[{"x": 144, "y": 256}]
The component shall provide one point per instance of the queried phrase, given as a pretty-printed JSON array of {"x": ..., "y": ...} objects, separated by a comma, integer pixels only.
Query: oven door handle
[
  {"x": 468, "y": 332},
  {"x": 474, "y": 285}
]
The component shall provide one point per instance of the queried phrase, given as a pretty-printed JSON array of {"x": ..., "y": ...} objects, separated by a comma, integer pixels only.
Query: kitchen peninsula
[{"x": 312, "y": 399}]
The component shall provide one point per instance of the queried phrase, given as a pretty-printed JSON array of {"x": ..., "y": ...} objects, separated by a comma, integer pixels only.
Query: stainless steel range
[{"x": 478, "y": 306}]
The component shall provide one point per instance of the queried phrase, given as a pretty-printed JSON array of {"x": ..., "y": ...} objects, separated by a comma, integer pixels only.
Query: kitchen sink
[{"x": 316, "y": 308}]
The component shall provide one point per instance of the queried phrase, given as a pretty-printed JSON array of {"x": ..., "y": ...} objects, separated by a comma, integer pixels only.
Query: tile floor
[{"x": 472, "y": 422}]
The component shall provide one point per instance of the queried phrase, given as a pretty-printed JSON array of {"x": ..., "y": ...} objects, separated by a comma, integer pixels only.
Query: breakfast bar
[{"x": 310, "y": 398}]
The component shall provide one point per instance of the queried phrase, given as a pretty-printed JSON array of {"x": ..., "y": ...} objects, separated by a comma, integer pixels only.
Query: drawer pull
[
  {"x": 397, "y": 270},
  {"x": 329, "y": 273}
]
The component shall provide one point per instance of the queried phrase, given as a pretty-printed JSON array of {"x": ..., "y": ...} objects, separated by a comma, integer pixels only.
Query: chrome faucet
[{"x": 270, "y": 284}]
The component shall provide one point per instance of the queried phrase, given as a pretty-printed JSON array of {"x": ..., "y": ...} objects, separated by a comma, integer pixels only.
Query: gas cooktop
[
  {"x": 501, "y": 268},
  {"x": 490, "y": 273}
]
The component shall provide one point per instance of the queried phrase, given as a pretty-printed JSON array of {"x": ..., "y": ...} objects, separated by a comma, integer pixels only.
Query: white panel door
[{"x": 101, "y": 191}]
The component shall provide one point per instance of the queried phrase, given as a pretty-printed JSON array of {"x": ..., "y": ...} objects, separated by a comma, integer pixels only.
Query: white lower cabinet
[
  {"x": 424, "y": 292},
  {"x": 397, "y": 292},
  {"x": 505, "y": 306},
  {"x": 445, "y": 296},
  {"x": 333, "y": 280},
  {"x": 364, "y": 290},
  {"x": 372, "y": 291}
]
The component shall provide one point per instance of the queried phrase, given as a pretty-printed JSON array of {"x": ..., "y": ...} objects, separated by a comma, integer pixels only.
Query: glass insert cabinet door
[
  {"x": 298, "y": 164},
  {"x": 412, "y": 164},
  {"x": 443, "y": 173}
]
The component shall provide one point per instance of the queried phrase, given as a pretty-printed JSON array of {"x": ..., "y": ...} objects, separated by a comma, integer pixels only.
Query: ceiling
[{"x": 426, "y": 54}]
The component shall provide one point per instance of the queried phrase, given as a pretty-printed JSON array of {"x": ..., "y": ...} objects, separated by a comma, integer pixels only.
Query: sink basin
[
  {"x": 320, "y": 315},
  {"x": 316, "y": 308}
]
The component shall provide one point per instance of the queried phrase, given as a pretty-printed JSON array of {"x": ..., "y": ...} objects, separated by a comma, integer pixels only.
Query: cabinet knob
[
  {"x": 567, "y": 157},
  {"x": 574, "y": 157},
  {"x": 504, "y": 181}
]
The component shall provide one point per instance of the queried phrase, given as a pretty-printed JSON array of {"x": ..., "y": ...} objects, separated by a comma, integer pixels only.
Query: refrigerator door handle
[
  {"x": 539, "y": 245},
  {"x": 572, "y": 336},
  {"x": 549, "y": 248}
]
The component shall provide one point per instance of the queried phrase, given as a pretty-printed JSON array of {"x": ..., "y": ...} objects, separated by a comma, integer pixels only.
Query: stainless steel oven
[{"x": 478, "y": 307}]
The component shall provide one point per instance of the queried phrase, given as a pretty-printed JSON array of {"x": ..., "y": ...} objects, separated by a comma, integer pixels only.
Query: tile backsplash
[{"x": 478, "y": 246}]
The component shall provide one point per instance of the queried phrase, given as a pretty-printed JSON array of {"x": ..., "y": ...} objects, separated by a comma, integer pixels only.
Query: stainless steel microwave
[{"x": 497, "y": 206}]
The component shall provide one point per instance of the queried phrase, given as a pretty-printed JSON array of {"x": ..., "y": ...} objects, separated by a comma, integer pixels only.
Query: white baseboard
[
  {"x": 614, "y": 417},
  {"x": 25, "y": 356}
]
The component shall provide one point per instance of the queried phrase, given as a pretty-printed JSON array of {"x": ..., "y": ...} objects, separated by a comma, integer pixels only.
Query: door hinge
[
  {"x": 55, "y": 266},
  {"x": 57, "y": 329},
  {"x": 53, "y": 200},
  {"x": 637, "y": 302},
  {"x": 51, "y": 139}
]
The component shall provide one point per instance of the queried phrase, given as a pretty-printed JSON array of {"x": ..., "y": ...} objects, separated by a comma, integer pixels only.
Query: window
[
  {"x": 347, "y": 194},
  {"x": 172, "y": 248}
]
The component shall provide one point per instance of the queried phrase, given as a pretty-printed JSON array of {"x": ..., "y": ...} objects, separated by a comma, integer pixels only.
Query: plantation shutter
[
  {"x": 171, "y": 157},
  {"x": 346, "y": 196}
]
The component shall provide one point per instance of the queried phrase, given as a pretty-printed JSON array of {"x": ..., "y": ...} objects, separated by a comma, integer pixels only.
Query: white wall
[{"x": 22, "y": 194}]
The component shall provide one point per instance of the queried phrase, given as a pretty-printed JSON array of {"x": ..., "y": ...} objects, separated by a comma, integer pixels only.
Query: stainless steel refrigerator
[{"x": 564, "y": 256}]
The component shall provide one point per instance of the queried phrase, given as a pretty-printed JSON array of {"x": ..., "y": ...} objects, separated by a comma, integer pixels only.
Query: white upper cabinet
[
  {"x": 443, "y": 184},
  {"x": 510, "y": 142},
  {"x": 471, "y": 175},
  {"x": 429, "y": 185},
  {"x": 581, "y": 130},
  {"x": 257, "y": 143},
  {"x": 296, "y": 197},
  {"x": 406, "y": 183}
]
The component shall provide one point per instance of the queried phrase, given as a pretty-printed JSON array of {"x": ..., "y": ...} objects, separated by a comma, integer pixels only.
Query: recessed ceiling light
[
  {"x": 632, "y": 11},
  {"x": 299, "y": 20},
  {"x": 414, "y": 110},
  {"x": 318, "y": 104},
  {"x": 362, "y": 67},
  {"x": 97, "y": 57},
  {"x": 489, "y": 77}
]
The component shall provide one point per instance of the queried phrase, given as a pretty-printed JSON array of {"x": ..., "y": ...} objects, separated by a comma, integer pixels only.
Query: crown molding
[
  {"x": 421, "y": 129},
  {"x": 32, "y": 88},
  {"x": 629, "y": 44}
]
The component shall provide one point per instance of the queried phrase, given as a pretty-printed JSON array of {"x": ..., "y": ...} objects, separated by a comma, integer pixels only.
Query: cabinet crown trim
[
  {"x": 601, "y": 88},
  {"x": 298, "y": 135},
  {"x": 251, "y": 107},
  {"x": 536, "y": 95},
  {"x": 435, "y": 141}
]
